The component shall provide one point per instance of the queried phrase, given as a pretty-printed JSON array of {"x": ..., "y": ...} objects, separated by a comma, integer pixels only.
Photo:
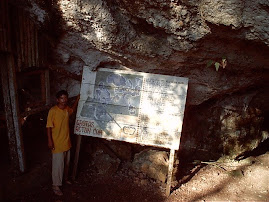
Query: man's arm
[
  {"x": 50, "y": 140},
  {"x": 75, "y": 103}
]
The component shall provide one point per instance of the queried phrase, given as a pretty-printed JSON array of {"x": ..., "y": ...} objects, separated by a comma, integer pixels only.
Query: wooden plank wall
[{"x": 16, "y": 147}]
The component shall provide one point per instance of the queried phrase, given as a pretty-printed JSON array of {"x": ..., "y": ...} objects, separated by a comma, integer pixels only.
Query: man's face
[{"x": 62, "y": 100}]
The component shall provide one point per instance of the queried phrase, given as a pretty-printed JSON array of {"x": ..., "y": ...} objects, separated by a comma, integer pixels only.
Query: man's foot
[{"x": 57, "y": 191}]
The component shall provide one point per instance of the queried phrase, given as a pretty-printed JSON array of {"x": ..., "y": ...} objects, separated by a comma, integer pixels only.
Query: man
[{"x": 59, "y": 139}]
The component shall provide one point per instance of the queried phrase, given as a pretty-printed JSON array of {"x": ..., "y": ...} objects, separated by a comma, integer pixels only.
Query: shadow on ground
[{"x": 88, "y": 186}]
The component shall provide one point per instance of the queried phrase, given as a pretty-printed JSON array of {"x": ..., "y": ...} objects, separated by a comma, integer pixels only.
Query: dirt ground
[{"x": 244, "y": 180}]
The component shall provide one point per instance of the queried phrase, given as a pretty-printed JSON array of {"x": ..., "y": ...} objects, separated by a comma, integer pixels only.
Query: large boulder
[
  {"x": 104, "y": 163},
  {"x": 230, "y": 126},
  {"x": 122, "y": 150},
  {"x": 153, "y": 163}
]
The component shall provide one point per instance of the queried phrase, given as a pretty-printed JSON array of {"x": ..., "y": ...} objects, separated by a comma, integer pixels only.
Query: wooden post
[
  {"x": 12, "y": 112},
  {"x": 21, "y": 30},
  {"x": 36, "y": 47},
  {"x": 170, "y": 171},
  {"x": 47, "y": 84},
  {"x": 76, "y": 157}
]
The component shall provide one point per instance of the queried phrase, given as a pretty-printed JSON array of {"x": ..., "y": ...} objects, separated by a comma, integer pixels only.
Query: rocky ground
[{"x": 243, "y": 180}]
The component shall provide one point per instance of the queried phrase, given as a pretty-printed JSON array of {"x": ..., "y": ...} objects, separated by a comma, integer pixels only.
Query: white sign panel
[{"x": 132, "y": 106}]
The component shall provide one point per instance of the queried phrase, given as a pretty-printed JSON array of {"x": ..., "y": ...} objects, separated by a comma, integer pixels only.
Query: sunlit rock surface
[
  {"x": 175, "y": 37},
  {"x": 153, "y": 163}
]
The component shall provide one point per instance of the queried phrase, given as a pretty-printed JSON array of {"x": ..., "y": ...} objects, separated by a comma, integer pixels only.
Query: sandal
[
  {"x": 57, "y": 191},
  {"x": 68, "y": 182}
]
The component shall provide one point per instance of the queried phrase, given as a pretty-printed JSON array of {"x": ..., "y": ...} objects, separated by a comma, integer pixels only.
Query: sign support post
[
  {"x": 76, "y": 157},
  {"x": 170, "y": 171}
]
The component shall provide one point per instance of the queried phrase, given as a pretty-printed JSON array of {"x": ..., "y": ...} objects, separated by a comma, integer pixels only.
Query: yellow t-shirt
[{"x": 58, "y": 120}]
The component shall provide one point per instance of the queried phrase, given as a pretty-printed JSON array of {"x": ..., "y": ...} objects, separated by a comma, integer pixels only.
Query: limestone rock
[
  {"x": 176, "y": 38},
  {"x": 105, "y": 164},
  {"x": 234, "y": 127},
  {"x": 153, "y": 163},
  {"x": 123, "y": 150}
]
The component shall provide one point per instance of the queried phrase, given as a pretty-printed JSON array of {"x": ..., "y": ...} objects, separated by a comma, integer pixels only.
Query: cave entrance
[{"x": 33, "y": 97}]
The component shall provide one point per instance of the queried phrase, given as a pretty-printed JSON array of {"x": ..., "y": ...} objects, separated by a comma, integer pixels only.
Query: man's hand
[
  {"x": 76, "y": 103},
  {"x": 51, "y": 144},
  {"x": 50, "y": 140},
  {"x": 94, "y": 69}
]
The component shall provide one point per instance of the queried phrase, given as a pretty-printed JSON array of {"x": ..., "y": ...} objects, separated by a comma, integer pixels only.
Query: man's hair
[{"x": 60, "y": 93}]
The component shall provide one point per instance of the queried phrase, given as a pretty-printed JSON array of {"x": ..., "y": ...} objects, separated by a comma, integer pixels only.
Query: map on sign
[{"x": 132, "y": 106}]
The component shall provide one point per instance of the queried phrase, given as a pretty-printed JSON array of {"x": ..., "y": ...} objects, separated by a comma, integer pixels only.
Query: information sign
[{"x": 132, "y": 106}]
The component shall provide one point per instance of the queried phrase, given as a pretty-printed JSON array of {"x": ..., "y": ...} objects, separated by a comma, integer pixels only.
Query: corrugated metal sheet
[
  {"x": 4, "y": 29},
  {"x": 21, "y": 36},
  {"x": 30, "y": 45}
]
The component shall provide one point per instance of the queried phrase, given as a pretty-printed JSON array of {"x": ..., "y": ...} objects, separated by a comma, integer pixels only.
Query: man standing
[{"x": 59, "y": 139}]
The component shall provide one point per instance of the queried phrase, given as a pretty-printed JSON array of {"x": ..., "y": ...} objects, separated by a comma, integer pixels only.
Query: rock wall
[{"x": 175, "y": 37}]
